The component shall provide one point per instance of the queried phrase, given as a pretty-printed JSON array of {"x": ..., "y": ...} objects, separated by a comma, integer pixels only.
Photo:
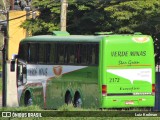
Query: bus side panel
[{"x": 83, "y": 81}]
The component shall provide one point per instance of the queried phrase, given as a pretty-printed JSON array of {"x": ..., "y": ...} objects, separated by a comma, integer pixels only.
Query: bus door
[{"x": 21, "y": 74}]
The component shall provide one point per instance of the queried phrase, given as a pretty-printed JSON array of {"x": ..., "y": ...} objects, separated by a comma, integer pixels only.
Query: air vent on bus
[{"x": 60, "y": 33}]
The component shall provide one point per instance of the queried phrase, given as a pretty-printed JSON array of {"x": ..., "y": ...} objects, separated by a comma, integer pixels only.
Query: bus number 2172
[{"x": 112, "y": 80}]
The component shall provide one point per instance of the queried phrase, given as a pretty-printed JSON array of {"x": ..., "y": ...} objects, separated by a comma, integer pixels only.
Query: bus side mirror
[{"x": 12, "y": 66}]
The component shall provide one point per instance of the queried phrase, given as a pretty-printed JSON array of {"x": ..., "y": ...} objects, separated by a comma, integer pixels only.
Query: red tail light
[
  {"x": 153, "y": 88},
  {"x": 104, "y": 90}
]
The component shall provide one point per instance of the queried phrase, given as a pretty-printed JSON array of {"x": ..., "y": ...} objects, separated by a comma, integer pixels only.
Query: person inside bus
[
  {"x": 93, "y": 56},
  {"x": 71, "y": 51},
  {"x": 61, "y": 54}
]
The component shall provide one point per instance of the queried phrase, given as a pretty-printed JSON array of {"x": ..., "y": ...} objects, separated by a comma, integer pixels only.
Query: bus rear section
[{"x": 127, "y": 71}]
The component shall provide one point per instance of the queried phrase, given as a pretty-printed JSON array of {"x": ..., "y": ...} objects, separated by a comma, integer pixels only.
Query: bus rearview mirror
[{"x": 12, "y": 66}]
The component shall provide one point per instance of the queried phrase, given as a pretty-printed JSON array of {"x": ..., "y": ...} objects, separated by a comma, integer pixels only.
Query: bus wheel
[
  {"x": 28, "y": 99},
  {"x": 68, "y": 98},
  {"x": 77, "y": 100}
]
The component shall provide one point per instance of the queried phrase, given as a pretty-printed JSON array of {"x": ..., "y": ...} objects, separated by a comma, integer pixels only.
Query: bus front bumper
[{"x": 127, "y": 101}]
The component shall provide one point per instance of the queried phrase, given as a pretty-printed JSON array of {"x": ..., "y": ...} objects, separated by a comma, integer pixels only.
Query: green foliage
[
  {"x": 48, "y": 19},
  {"x": 135, "y": 15},
  {"x": 29, "y": 108},
  {"x": 83, "y": 17},
  {"x": 89, "y": 16},
  {"x": 69, "y": 108}
]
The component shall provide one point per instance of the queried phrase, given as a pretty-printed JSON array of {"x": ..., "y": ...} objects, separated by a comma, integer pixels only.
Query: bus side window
[
  {"x": 89, "y": 53},
  {"x": 83, "y": 54},
  {"x": 33, "y": 53},
  {"x": 66, "y": 52},
  {"x": 60, "y": 50},
  {"x": 96, "y": 54},
  {"x": 71, "y": 54},
  {"x": 77, "y": 52},
  {"x": 48, "y": 47},
  {"x": 23, "y": 52},
  {"x": 93, "y": 56},
  {"x": 52, "y": 53},
  {"x": 42, "y": 53}
]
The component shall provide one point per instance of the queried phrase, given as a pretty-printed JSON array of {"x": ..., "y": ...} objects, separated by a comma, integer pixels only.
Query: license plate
[{"x": 129, "y": 102}]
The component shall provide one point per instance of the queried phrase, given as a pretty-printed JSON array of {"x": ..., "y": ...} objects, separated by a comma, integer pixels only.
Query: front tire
[{"x": 28, "y": 101}]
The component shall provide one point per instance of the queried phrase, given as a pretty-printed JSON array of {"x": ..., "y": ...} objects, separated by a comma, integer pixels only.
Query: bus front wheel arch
[
  {"x": 77, "y": 100},
  {"x": 28, "y": 99}
]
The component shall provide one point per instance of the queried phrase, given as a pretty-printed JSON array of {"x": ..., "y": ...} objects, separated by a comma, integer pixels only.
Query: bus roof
[
  {"x": 70, "y": 38},
  {"x": 78, "y": 38}
]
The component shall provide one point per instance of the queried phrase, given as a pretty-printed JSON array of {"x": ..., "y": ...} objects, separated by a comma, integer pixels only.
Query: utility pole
[
  {"x": 4, "y": 57},
  {"x": 63, "y": 21},
  {"x": 27, "y": 9},
  {"x": 4, "y": 29}
]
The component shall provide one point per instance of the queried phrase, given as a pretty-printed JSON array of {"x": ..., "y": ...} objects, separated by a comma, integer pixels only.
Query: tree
[
  {"x": 135, "y": 15},
  {"x": 48, "y": 18},
  {"x": 89, "y": 16},
  {"x": 84, "y": 17}
]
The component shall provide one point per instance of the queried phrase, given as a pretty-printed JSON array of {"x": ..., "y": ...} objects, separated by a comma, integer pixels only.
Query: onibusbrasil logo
[{"x": 21, "y": 114}]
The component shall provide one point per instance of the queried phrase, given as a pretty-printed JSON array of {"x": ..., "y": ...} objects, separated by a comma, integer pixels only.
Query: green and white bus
[{"x": 103, "y": 71}]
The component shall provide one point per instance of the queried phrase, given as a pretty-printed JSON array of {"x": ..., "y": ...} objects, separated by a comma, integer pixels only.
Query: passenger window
[
  {"x": 33, "y": 53},
  {"x": 83, "y": 54},
  {"x": 23, "y": 53},
  {"x": 42, "y": 53},
  {"x": 60, "y": 50},
  {"x": 71, "y": 54}
]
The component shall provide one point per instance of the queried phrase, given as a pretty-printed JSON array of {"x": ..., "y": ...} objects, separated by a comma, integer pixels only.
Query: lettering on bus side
[
  {"x": 129, "y": 88},
  {"x": 113, "y": 80},
  {"x": 32, "y": 72},
  {"x": 129, "y": 62},
  {"x": 127, "y": 53},
  {"x": 43, "y": 72},
  {"x": 37, "y": 71}
]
